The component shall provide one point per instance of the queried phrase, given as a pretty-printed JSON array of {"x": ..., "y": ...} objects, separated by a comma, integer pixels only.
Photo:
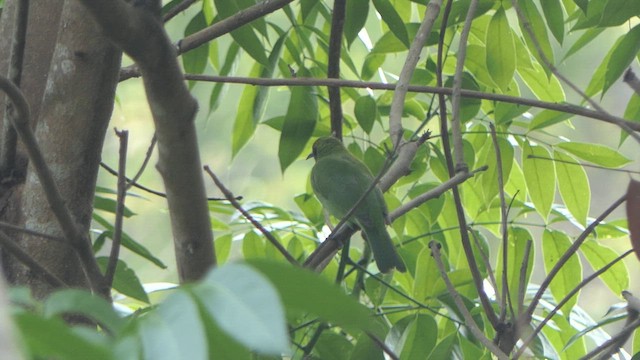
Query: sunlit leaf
[
  {"x": 501, "y": 55},
  {"x": 595, "y": 153},
  {"x": 554, "y": 245},
  {"x": 573, "y": 185},
  {"x": 617, "y": 277},
  {"x": 539, "y": 174}
]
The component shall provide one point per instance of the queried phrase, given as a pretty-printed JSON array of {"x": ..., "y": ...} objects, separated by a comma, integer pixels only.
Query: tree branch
[{"x": 122, "y": 194}]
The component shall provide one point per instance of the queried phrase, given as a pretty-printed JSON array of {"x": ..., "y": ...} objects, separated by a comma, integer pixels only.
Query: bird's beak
[{"x": 310, "y": 156}]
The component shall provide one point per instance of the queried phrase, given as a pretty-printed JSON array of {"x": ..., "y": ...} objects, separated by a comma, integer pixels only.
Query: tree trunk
[{"x": 70, "y": 75}]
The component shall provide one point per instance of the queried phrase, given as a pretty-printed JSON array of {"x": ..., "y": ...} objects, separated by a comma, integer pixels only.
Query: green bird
[{"x": 339, "y": 180}]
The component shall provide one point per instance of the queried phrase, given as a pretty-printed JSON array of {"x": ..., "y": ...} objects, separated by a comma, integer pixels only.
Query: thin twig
[
  {"x": 147, "y": 157},
  {"x": 33, "y": 232},
  {"x": 122, "y": 194},
  {"x": 9, "y": 245},
  {"x": 505, "y": 301},
  {"x": 472, "y": 94},
  {"x": 387, "y": 350},
  {"x": 229, "y": 196},
  {"x": 111, "y": 171},
  {"x": 468, "y": 319},
  {"x": 184, "y": 5}
]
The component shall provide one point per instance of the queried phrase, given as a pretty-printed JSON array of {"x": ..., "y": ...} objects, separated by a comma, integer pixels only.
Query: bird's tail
[{"x": 384, "y": 252}]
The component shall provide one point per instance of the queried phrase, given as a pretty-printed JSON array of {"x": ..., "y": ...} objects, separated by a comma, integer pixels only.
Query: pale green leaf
[
  {"x": 393, "y": 20},
  {"x": 595, "y": 153},
  {"x": 545, "y": 88},
  {"x": 573, "y": 185},
  {"x": 554, "y": 245},
  {"x": 552, "y": 10},
  {"x": 622, "y": 55},
  {"x": 246, "y": 118},
  {"x": 539, "y": 174},
  {"x": 539, "y": 30},
  {"x": 501, "y": 55},
  {"x": 617, "y": 277}
]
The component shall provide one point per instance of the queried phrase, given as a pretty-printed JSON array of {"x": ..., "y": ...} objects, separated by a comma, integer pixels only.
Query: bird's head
[{"x": 324, "y": 146}]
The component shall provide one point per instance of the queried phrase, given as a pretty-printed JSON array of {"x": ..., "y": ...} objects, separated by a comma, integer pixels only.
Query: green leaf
[
  {"x": 518, "y": 238},
  {"x": 195, "y": 61},
  {"x": 586, "y": 38},
  {"x": 125, "y": 280},
  {"x": 554, "y": 15},
  {"x": 617, "y": 277},
  {"x": 622, "y": 55},
  {"x": 81, "y": 302},
  {"x": 52, "y": 338},
  {"x": 109, "y": 205},
  {"x": 393, "y": 20},
  {"x": 554, "y": 245},
  {"x": 253, "y": 246},
  {"x": 246, "y": 306},
  {"x": 244, "y": 36},
  {"x": 304, "y": 290},
  {"x": 596, "y": 84},
  {"x": 489, "y": 178},
  {"x": 372, "y": 63},
  {"x": 223, "y": 248},
  {"x": 129, "y": 243},
  {"x": 501, "y": 55},
  {"x": 419, "y": 337},
  {"x": 595, "y": 153},
  {"x": 617, "y": 12},
  {"x": 299, "y": 122},
  {"x": 333, "y": 346},
  {"x": 547, "y": 118},
  {"x": 573, "y": 185},
  {"x": 539, "y": 174},
  {"x": 165, "y": 334},
  {"x": 632, "y": 113},
  {"x": 545, "y": 88},
  {"x": 366, "y": 112},
  {"x": 355, "y": 18},
  {"x": 539, "y": 30},
  {"x": 229, "y": 60}
]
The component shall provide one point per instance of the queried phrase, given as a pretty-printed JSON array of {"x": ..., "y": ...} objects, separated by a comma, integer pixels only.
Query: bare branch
[
  {"x": 229, "y": 196},
  {"x": 122, "y": 194}
]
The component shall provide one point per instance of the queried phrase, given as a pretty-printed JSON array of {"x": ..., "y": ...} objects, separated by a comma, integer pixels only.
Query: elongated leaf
[
  {"x": 246, "y": 118},
  {"x": 595, "y": 153},
  {"x": 501, "y": 56},
  {"x": 366, "y": 112},
  {"x": 598, "y": 79},
  {"x": 547, "y": 118},
  {"x": 518, "y": 238},
  {"x": 617, "y": 277},
  {"x": 227, "y": 65},
  {"x": 299, "y": 122},
  {"x": 303, "y": 290},
  {"x": 244, "y": 35},
  {"x": 419, "y": 337},
  {"x": 355, "y": 18},
  {"x": 573, "y": 185},
  {"x": 539, "y": 174},
  {"x": 195, "y": 61},
  {"x": 554, "y": 245},
  {"x": 393, "y": 20},
  {"x": 623, "y": 54},
  {"x": 129, "y": 243},
  {"x": 539, "y": 29},
  {"x": 490, "y": 186},
  {"x": 545, "y": 88},
  {"x": 554, "y": 15},
  {"x": 586, "y": 38},
  {"x": 125, "y": 280},
  {"x": 632, "y": 112},
  {"x": 617, "y": 12}
]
